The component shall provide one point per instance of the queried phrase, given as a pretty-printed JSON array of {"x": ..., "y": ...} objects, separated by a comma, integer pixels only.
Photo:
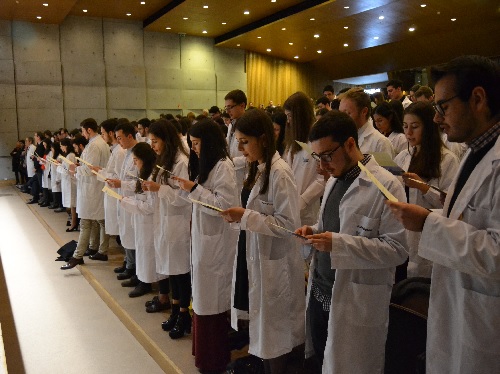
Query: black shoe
[
  {"x": 132, "y": 282},
  {"x": 52, "y": 206},
  {"x": 172, "y": 320},
  {"x": 127, "y": 274},
  {"x": 60, "y": 210},
  {"x": 72, "y": 263},
  {"x": 99, "y": 257},
  {"x": 182, "y": 326},
  {"x": 32, "y": 201},
  {"x": 156, "y": 306},
  {"x": 44, "y": 205},
  {"x": 90, "y": 252},
  {"x": 141, "y": 289},
  {"x": 121, "y": 269},
  {"x": 68, "y": 223},
  {"x": 71, "y": 229}
]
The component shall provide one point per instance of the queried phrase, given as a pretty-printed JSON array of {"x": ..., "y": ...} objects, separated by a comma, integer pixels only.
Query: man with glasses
[
  {"x": 463, "y": 241},
  {"x": 357, "y": 245}
]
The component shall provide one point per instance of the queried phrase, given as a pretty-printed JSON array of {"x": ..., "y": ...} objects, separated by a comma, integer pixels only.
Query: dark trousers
[
  {"x": 181, "y": 289},
  {"x": 36, "y": 187},
  {"x": 318, "y": 320}
]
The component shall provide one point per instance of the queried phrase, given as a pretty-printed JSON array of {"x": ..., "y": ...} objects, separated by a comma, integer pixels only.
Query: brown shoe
[
  {"x": 72, "y": 263},
  {"x": 99, "y": 256}
]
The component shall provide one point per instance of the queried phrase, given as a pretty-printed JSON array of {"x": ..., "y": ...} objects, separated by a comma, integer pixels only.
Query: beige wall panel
[
  {"x": 155, "y": 113},
  {"x": 81, "y": 74},
  {"x": 132, "y": 115},
  {"x": 5, "y": 47},
  {"x": 8, "y": 120},
  {"x": 198, "y": 79},
  {"x": 7, "y": 142},
  {"x": 6, "y": 72},
  {"x": 84, "y": 97},
  {"x": 197, "y": 53},
  {"x": 200, "y": 99},
  {"x": 39, "y": 97},
  {"x": 162, "y": 50},
  {"x": 7, "y": 96},
  {"x": 81, "y": 40},
  {"x": 228, "y": 81},
  {"x": 5, "y": 28},
  {"x": 73, "y": 117},
  {"x": 35, "y": 42},
  {"x": 220, "y": 99},
  {"x": 130, "y": 76},
  {"x": 123, "y": 42},
  {"x": 159, "y": 77},
  {"x": 34, "y": 119},
  {"x": 38, "y": 72},
  {"x": 228, "y": 59},
  {"x": 126, "y": 98},
  {"x": 164, "y": 98}
]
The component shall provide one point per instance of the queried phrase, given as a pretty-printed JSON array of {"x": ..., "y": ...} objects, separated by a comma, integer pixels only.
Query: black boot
[
  {"x": 182, "y": 326},
  {"x": 171, "y": 321},
  {"x": 127, "y": 274},
  {"x": 53, "y": 204},
  {"x": 141, "y": 289},
  {"x": 121, "y": 269}
]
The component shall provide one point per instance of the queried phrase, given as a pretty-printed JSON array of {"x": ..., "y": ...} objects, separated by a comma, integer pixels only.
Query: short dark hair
[
  {"x": 424, "y": 91},
  {"x": 415, "y": 87},
  {"x": 321, "y": 112},
  {"x": 89, "y": 123},
  {"x": 214, "y": 109},
  {"x": 336, "y": 125},
  {"x": 238, "y": 97},
  {"x": 80, "y": 140},
  {"x": 109, "y": 125},
  {"x": 323, "y": 100},
  {"x": 145, "y": 122},
  {"x": 328, "y": 87},
  {"x": 386, "y": 110},
  {"x": 396, "y": 83},
  {"x": 126, "y": 128},
  {"x": 471, "y": 72}
]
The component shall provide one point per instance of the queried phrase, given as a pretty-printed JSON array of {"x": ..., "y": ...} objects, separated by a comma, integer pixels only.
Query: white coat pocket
[
  {"x": 265, "y": 207},
  {"x": 365, "y": 226}
]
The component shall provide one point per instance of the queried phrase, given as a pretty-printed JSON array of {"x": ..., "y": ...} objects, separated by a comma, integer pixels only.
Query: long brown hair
[{"x": 298, "y": 128}]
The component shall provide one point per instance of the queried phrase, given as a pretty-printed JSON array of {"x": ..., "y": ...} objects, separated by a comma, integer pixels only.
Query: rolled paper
[
  {"x": 85, "y": 162},
  {"x": 379, "y": 185},
  {"x": 206, "y": 205},
  {"x": 306, "y": 147},
  {"x": 108, "y": 191}
]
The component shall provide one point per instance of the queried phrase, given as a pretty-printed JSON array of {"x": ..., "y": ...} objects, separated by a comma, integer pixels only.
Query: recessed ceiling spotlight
[
  {"x": 143, "y": 3},
  {"x": 453, "y": 19},
  {"x": 168, "y": 28},
  {"x": 185, "y": 18},
  {"x": 346, "y": 7},
  {"x": 423, "y": 5},
  {"x": 283, "y": 29},
  {"x": 129, "y": 14},
  {"x": 411, "y": 29},
  {"x": 346, "y": 45},
  {"x": 246, "y": 12},
  {"x": 290, "y": 43},
  {"x": 346, "y": 27},
  {"x": 204, "y": 31},
  {"x": 319, "y": 51},
  {"x": 269, "y": 49},
  {"x": 224, "y": 23},
  {"x": 316, "y": 36},
  {"x": 273, "y": 1},
  {"x": 237, "y": 45},
  {"x": 296, "y": 57},
  {"x": 205, "y": 6},
  {"x": 39, "y": 17},
  {"x": 84, "y": 10},
  {"x": 381, "y": 17},
  {"x": 375, "y": 37},
  {"x": 312, "y": 19},
  {"x": 45, "y": 4},
  {"x": 259, "y": 37}
]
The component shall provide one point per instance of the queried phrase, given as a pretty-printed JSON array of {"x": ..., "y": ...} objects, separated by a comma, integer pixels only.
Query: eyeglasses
[
  {"x": 229, "y": 107},
  {"x": 325, "y": 157},
  {"x": 438, "y": 105}
]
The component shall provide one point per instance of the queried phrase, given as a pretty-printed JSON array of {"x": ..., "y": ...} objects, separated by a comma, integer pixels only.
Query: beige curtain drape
[{"x": 270, "y": 78}]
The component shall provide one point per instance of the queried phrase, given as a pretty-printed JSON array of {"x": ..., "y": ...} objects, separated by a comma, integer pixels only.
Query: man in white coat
[
  {"x": 89, "y": 205},
  {"x": 463, "y": 242},
  {"x": 363, "y": 244},
  {"x": 356, "y": 103},
  {"x": 395, "y": 92},
  {"x": 235, "y": 104}
]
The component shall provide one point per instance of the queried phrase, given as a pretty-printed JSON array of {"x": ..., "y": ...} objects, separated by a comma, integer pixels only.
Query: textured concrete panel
[
  {"x": 84, "y": 97},
  {"x": 38, "y": 72},
  {"x": 220, "y": 98},
  {"x": 7, "y": 96},
  {"x": 5, "y": 47},
  {"x": 162, "y": 50},
  {"x": 201, "y": 99},
  {"x": 197, "y": 53},
  {"x": 164, "y": 98},
  {"x": 73, "y": 117},
  {"x": 35, "y": 42},
  {"x": 198, "y": 79},
  {"x": 228, "y": 81},
  {"x": 39, "y": 119},
  {"x": 5, "y": 28},
  {"x": 132, "y": 115},
  {"x": 81, "y": 40},
  {"x": 157, "y": 77},
  {"x": 155, "y": 113},
  {"x": 6, "y": 72},
  {"x": 8, "y": 120},
  {"x": 84, "y": 74},
  {"x": 31, "y": 96},
  {"x": 229, "y": 59},
  {"x": 130, "y": 76},
  {"x": 126, "y": 98},
  {"x": 7, "y": 143},
  {"x": 123, "y": 42}
]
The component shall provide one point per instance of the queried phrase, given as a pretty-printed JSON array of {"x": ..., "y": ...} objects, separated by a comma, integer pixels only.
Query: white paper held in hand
[{"x": 379, "y": 185}]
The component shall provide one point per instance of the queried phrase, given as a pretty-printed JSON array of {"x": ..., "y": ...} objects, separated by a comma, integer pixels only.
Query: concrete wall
[{"x": 54, "y": 76}]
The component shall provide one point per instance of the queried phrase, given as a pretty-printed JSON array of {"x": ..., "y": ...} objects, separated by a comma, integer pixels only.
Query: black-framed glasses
[
  {"x": 438, "y": 105},
  {"x": 229, "y": 107},
  {"x": 325, "y": 157}
]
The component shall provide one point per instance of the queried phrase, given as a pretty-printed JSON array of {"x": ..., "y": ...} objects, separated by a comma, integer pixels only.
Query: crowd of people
[{"x": 232, "y": 210}]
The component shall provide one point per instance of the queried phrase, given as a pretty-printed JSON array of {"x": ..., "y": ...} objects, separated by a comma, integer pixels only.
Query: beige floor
[{"x": 76, "y": 321}]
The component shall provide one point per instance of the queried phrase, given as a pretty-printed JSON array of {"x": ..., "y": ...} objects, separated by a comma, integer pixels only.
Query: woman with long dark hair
[
  {"x": 388, "y": 123},
  {"x": 279, "y": 125},
  {"x": 172, "y": 216},
  {"x": 55, "y": 178},
  {"x": 211, "y": 181},
  {"x": 428, "y": 162},
  {"x": 269, "y": 270},
  {"x": 300, "y": 117},
  {"x": 68, "y": 184},
  {"x": 46, "y": 187}
]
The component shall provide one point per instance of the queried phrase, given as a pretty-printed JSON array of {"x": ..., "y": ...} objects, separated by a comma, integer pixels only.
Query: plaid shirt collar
[
  {"x": 355, "y": 171},
  {"x": 485, "y": 139}
]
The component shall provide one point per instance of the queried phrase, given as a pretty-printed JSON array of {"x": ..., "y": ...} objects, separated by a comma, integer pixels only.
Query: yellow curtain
[{"x": 273, "y": 79}]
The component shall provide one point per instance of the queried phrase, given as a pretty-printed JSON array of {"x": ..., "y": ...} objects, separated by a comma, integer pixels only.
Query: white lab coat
[
  {"x": 68, "y": 182},
  {"x": 275, "y": 265},
  {"x": 310, "y": 185},
  {"x": 418, "y": 266},
  {"x": 213, "y": 242},
  {"x": 365, "y": 253},
  {"x": 128, "y": 183},
  {"x": 172, "y": 221},
  {"x": 458, "y": 149},
  {"x": 239, "y": 161},
  {"x": 406, "y": 102},
  {"x": 398, "y": 141},
  {"x": 142, "y": 207},
  {"x": 112, "y": 171},
  {"x": 464, "y": 309},
  {"x": 89, "y": 204},
  {"x": 55, "y": 177},
  {"x": 30, "y": 165},
  {"x": 46, "y": 171},
  {"x": 370, "y": 140}
]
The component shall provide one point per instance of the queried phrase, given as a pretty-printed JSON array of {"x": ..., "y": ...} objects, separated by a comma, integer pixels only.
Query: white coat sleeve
[
  {"x": 132, "y": 205},
  {"x": 385, "y": 145},
  {"x": 449, "y": 168},
  {"x": 173, "y": 195}
]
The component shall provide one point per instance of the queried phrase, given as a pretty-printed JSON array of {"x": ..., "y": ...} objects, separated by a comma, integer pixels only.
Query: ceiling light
[
  {"x": 346, "y": 45},
  {"x": 423, "y": 5},
  {"x": 411, "y": 29},
  {"x": 346, "y": 27},
  {"x": 316, "y": 36},
  {"x": 273, "y": 1},
  {"x": 296, "y": 57},
  {"x": 204, "y": 31},
  {"x": 185, "y": 18},
  {"x": 45, "y": 4},
  {"x": 143, "y": 3},
  {"x": 375, "y": 37},
  {"x": 39, "y": 17},
  {"x": 224, "y": 23},
  {"x": 381, "y": 17},
  {"x": 269, "y": 49},
  {"x": 85, "y": 11},
  {"x": 205, "y": 6},
  {"x": 453, "y": 19},
  {"x": 237, "y": 45},
  {"x": 168, "y": 28},
  {"x": 346, "y": 7},
  {"x": 283, "y": 29},
  {"x": 319, "y": 51},
  {"x": 259, "y": 37},
  {"x": 246, "y": 12},
  {"x": 290, "y": 43},
  {"x": 312, "y": 19},
  {"x": 129, "y": 14}
]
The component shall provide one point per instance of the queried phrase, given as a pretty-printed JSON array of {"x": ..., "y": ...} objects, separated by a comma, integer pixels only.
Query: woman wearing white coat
[
  {"x": 68, "y": 183},
  {"x": 310, "y": 184},
  {"x": 213, "y": 243},
  {"x": 55, "y": 180},
  {"x": 275, "y": 290},
  {"x": 172, "y": 220},
  {"x": 428, "y": 161},
  {"x": 389, "y": 124}
]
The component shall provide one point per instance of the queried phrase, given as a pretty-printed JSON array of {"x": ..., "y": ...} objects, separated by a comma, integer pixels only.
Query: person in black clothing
[
  {"x": 37, "y": 182},
  {"x": 16, "y": 161}
]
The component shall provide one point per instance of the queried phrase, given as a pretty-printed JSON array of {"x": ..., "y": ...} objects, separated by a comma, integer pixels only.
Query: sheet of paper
[
  {"x": 100, "y": 177},
  {"x": 135, "y": 176},
  {"x": 306, "y": 147},
  {"x": 85, "y": 162},
  {"x": 290, "y": 232},
  {"x": 206, "y": 205},
  {"x": 166, "y": 171},
  {"x": 110, "y": 192},
  {"x": 382, "y": 189},
  {"x": 66, "y": 160},
  {"x": 385, "y": 160},
  {"x": 427, "y": 184}
]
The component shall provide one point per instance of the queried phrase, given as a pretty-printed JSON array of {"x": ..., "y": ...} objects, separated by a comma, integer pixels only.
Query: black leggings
[{"x": 181, "y": 289}]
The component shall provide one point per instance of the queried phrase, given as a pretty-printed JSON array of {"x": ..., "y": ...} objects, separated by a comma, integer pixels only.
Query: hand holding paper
[
  {"x": 85, "y": 162},
  {"x": 108, "y": 191},
  {"x": 206, "y": 205}
]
